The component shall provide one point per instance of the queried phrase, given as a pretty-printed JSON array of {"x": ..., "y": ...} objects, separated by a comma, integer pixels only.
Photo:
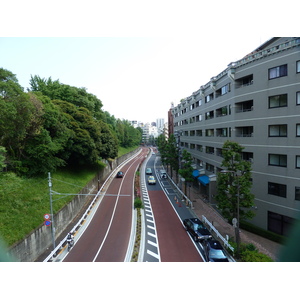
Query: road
[
  {"x": 165, "y": 238},
  {"x": 107, "y": 236}
]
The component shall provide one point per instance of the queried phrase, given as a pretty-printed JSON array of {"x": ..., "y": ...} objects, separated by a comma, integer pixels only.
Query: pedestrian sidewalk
[{"x": 201, "y": 207}]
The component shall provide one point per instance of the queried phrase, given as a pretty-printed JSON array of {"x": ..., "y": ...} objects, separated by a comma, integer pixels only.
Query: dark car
[
  {"x": 214, "y": 251},
  {"x": 196, "y": 229},
  {"x": 120, "y": 174}
]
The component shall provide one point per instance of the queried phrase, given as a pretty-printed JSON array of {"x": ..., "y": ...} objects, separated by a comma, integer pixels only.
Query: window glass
[
  {"x": 297, "y": 129},
  {"x": 278, "y": 72},
  {"x": 298, "y": 98}
]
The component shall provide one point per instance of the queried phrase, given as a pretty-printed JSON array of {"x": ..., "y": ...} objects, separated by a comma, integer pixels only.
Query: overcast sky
[{"x": 142, "y": 60}]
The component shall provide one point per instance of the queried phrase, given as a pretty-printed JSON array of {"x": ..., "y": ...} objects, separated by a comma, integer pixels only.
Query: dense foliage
[
  {"x": 54, "y": 125},
  {"x": 234, "y": 185}
]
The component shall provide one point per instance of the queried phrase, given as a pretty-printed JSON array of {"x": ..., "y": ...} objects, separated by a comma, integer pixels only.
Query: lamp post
[{"x": 51, "y": 210}]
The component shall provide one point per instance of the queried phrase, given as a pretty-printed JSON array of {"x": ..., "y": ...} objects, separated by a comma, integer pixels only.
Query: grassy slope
[{"x": 24, "y": 201}]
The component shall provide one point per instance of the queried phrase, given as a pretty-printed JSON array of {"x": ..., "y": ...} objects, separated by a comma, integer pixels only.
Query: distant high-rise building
[{"x": 160, "y": 125}]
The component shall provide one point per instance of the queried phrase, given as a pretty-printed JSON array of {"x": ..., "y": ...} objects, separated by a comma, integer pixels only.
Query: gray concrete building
[{"x": 255, "y": 102}]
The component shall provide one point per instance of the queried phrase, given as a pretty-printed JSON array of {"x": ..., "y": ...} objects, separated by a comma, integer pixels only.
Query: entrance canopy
[{"x": 203, "y": 180}]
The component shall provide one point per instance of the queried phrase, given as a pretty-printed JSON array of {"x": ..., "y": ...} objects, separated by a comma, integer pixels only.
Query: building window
[
  {"x": 298, "y": 98},
  {"x": 209, "y": 150},
  {"x": 297, "y": 193},
  {"x": 278, "y": 160},
  {"x": 246, "y": 131},
  {"x": 297, "y": 161},
  {"x": 278, "y": 130},
  {"x": 297, "y": 129},
  {"x": 278, "y": 72},
  {"x": 199, "y": 132},
  {"x": 209, "y": 115},
  {"x": 209, "y": 132},
  {"x": 209, "y": 168},
  {"x": 209, "y": 97},
  {"x": 298, "y": 66},
  {"x": 278, "y": 101},
  {"x": 277, "y": 189},
  {"x": 223, "y": 90},
  {"x": 279, "y": 224}
]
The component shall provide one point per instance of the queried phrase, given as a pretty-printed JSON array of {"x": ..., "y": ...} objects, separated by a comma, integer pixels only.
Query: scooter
[{"x": 70, "y": 244}]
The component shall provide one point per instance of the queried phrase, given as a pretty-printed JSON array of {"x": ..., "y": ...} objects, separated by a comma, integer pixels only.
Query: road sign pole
[{"x": 51, "y": 210}]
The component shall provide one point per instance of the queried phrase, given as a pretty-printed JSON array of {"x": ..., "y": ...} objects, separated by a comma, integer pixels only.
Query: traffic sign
[
  {"x": 47, "y": 217},
  {"x": 47, "y": 223}
]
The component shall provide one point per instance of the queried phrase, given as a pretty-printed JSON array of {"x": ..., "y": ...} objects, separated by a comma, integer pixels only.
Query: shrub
[
  {"x": 138, "y": 203},
  {"x": 254, "y": 256}
]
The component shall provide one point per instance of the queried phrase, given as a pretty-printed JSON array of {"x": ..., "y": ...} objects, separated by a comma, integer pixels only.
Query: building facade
[{"x": 256, "y": 103}]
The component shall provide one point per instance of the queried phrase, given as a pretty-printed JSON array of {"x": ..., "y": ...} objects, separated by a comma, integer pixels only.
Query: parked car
[
  {"x": 148, "y": 171},
  {"x": 214, "y": 251},
  {"x": 120, "y": 174},
  {"x": 151, "y": 180},
  {"x": 197, "y": 229},
  {"x": 163, "y": 174}
]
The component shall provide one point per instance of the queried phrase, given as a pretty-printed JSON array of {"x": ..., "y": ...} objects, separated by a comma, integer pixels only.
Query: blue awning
[
  {"x": 195, "y": 173},
  {"x": 203, "y": 179}
]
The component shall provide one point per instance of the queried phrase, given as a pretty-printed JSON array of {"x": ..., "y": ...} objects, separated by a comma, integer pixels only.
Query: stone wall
[{"x": 40, "y": 240}]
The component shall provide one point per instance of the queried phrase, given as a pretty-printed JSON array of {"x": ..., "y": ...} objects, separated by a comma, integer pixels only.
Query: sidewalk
[{"x": 264, "y": 245}]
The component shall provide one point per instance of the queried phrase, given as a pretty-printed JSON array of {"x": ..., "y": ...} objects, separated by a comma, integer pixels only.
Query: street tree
[
  {"x": 172, "y": 155},
  {"x": 186, "y": 169},
  {"x": 233, "y": 188},
  {"x": 234, "y": 182}
]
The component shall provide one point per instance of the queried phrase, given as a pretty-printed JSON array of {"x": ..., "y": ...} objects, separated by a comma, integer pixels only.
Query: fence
[{"x": 225, "y": 241}]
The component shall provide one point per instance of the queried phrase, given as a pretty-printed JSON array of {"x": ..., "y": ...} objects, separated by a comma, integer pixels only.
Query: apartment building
[{"x": 255, "y": 102}]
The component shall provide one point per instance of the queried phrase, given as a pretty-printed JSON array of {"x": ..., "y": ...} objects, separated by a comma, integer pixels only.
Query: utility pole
[{"x": 51, "y": 210}]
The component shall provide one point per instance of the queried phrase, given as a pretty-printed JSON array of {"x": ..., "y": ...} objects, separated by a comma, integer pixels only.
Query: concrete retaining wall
[{"x": 40, "y": 240}]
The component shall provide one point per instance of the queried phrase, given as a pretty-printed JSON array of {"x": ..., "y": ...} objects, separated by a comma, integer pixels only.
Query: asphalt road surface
[
  {"x": 107, "y": 237},
  {"x": 165, "y": 237},
  {"x": 109, "y": 232}
]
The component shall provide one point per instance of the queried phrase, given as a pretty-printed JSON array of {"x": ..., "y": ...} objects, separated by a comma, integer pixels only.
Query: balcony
[
  {"x": 244, "y": 106},
  {"x": 244, "y": 81},
  {"x": 246, "y": 131}
]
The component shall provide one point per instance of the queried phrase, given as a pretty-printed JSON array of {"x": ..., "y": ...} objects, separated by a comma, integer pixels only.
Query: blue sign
[{"x": 47, "y": 223}]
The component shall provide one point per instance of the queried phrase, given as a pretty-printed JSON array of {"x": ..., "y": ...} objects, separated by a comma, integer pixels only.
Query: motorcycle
[{"x": 70, "y": 242}]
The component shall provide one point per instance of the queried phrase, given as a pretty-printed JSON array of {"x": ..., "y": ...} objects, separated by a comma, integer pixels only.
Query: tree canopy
[
  {"x": 234, "y": 185},
  {"x": 55, "y": 124}
]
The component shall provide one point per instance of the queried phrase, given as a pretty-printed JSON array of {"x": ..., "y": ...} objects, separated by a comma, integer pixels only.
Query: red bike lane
[
  {"x": 175, "y": 244},
  {"x": 107, "y": 236}
]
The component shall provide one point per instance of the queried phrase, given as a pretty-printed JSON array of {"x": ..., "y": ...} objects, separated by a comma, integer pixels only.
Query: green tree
[
  {"x": 20, "y": 118},
  {"x": 234, "y": 185},
  {"x": 77, "y": 96},
  {"x": 170, "y": 154},
  {"x": 2, "y": 158},
  {"x": 186, "y": 168}
]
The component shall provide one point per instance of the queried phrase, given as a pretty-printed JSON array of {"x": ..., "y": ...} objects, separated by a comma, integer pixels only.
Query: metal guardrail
[{"x": 217, "y": 233}]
